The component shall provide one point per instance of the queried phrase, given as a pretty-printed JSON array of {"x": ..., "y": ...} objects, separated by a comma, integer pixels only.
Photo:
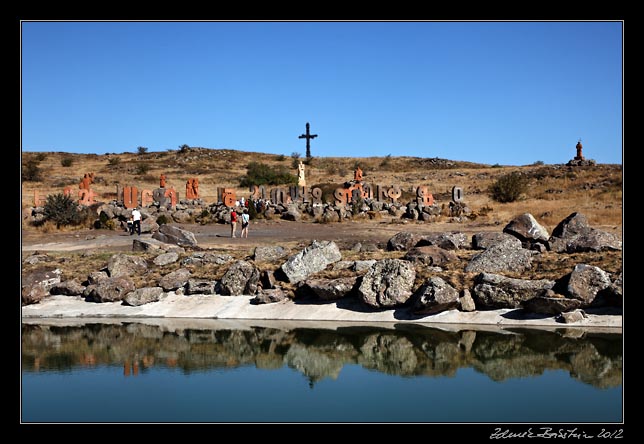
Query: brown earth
[{"x": 554, "y": 192}]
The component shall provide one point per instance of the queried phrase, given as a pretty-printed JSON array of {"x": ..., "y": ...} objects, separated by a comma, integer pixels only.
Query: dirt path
[{"x": 262, "y": 232}]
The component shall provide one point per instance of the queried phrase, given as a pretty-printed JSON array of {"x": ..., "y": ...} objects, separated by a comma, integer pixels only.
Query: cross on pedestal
[{"x": 308, "y": 136}]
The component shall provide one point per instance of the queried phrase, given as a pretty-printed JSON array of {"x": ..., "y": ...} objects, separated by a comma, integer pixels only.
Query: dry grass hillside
[{"x": 553, "y": 193}]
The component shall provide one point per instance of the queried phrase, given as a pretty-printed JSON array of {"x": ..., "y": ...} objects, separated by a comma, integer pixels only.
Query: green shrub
[
  {"x": 62, "y": 210},
  {"x": 67, "y": 161},
  {"x": 31, "y": 171},
  {"x": 104, "y": 221},
  {"x": 509, "y": 187},
  {"x": 142, "y": 168},
  {"x": 258, "y": 173}
]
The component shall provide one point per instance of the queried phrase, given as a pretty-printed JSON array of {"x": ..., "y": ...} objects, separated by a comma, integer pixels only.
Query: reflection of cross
[{"x": 308, "y": 136}]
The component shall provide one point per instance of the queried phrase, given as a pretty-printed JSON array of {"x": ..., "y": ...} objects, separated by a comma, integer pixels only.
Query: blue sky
[{"x": 509, "y": 93}]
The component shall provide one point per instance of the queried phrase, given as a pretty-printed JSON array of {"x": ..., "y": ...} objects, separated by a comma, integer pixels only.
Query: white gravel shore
[{"x": 344, "y": 311}]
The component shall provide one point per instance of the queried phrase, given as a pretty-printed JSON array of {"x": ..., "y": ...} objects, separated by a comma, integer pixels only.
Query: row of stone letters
[{"x": 279, "y": 195}]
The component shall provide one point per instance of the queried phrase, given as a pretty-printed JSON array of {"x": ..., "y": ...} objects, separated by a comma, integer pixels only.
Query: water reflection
[{"x": 405, "y": 350}]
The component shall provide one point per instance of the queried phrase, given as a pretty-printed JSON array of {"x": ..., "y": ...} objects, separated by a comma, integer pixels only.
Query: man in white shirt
[{"x": 136, "y": 220}]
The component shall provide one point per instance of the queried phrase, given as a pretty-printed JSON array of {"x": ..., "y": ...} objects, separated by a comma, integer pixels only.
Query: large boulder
[
  {"x": 403, "y": 241},
  {"x": 497, "y": 291},
  {"x": 311, "y": 259},
  {"x": 174, "y": 280},
  {"x": 506, "y": 255},
  {"x": 142, "y": 296},
  {"x": 447, "y": 241},
  {"x": 166, "y": 258},
  {"x": 202, "y": 258},
  {"x": 200, "y": 286},
  {"x": 111, "y": 289},
  {"x": 435, "y": 296},
  {"x": 574, "y": 234},
  {"x": 430, "y": 255},
  {"x": 388, "y": 283},
  {"x": 585, "y": 282},
  {"x": 240, "y": 279},
  {"x": 551, "y": 305},
  {"x": 486, "y": 239},
  {"x": 126, "y": 265},
  {"x": 269, "y": 296},
  {"x": 269, "y": 253},
  {"x": 526, "y": 228},
  {"x": 36, "y": 284},
  {"x": 175, "y": 235},
  {"x": 71, "y": 287},
  {"x": 330, "y": 289}
]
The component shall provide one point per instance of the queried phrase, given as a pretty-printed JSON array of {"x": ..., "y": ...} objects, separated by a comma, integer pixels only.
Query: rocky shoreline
[{"x": 421, "y": 278}]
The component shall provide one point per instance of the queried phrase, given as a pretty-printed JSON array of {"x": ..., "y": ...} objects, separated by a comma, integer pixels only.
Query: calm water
[{"x": 132, "y": 372}]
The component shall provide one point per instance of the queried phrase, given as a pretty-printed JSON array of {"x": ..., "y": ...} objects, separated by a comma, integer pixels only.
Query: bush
[
  {"x": 142, "y": 168},
  {"x": 184, "y": 148},
  {"x": 281, "y": 158},
  {"x": 31, "y": 171},
  {"x": 62, "y": 210},
  {"x": 41, "y": 156},
  {"x": 258, "y": 173},
  {"x": 141, "y": 150},
  {"x": 114, "y": 161},
  {"x": 386, "y": 160},
  {"x": 162, "y": 220},
  {"x": 67, "y": 161},
  {"x": 538, "y": 163},
  {"x": 508, "y": 188}
]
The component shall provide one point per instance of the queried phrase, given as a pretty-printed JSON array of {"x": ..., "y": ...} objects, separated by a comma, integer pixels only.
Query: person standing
[
  {"x": 233, "y": 222},
  {"x": 245, "y": 220},
  {"x": 136, "y": 221}
]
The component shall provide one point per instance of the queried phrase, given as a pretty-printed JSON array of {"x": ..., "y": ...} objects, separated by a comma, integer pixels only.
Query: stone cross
[{"x": 308, "y": 136}]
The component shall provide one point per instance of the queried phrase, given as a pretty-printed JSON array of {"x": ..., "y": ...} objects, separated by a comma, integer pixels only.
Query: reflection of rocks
[
  {"x": 389, "y": 354},
  {"x": 410, "y": 350},
  {"x": 313, "y": 363}
]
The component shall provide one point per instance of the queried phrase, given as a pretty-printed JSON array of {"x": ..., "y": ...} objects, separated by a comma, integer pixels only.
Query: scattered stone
[
  {"x": 311, "y": 259},
  {"x": 240, "y": 279},
  {"x": 331, "y": 289},
  {"x": 126, "y": 265},
  {"x": 142, "y": 296},
  {"x": 174, "y": 280},
  {"x": 435, "y": 296},
  {"x": 165, "y": 259},
  {"x": 497, "y": 291},
  {"x": 388, "y": 283}
]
